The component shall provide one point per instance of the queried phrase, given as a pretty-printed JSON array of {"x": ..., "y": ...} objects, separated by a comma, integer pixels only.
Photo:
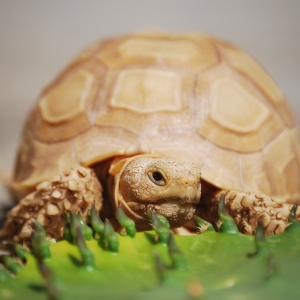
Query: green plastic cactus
[{"x": 211, "y": 265}]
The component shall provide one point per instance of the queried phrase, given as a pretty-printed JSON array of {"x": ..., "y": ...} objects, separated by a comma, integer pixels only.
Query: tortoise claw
[{"x": 203, "y": 225}]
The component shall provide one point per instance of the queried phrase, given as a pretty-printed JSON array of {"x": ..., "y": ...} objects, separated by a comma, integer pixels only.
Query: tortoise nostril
[{"x": 188, "y": 181}]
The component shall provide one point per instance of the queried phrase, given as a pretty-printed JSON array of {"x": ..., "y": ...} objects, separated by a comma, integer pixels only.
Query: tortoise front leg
[
  {"x": 247, "y": 209},
  {"x": 76, "y": 190}
]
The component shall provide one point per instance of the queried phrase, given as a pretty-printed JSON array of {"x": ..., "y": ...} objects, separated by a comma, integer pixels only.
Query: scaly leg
[
  {"x": 76, "y": 190},
  {"x": 247, "y": 209}
]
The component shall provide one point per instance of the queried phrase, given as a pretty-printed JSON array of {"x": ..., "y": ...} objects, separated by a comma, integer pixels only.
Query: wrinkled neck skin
[{"x": 146, "y": 183}]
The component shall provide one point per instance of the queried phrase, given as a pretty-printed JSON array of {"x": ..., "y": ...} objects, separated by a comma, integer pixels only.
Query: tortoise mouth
[{"x": 176, "y": 211}]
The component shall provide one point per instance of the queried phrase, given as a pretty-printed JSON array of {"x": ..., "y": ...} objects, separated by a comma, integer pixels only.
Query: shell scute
[
  {"x": 148, "y": 102},
  {"x": 281, "y": 161},
  {"x": 248, "y": 66},
  {"x": 173, "y": 51},
  {"x": 66, "y": 107},
  {"x": 253, "y": 173},
  {"x": 235, "y": 108},
  {"x": 234, "y": 113},
  {"x": 38, "y": 161},
  {"x": 98, "y": 144},
  {"x": 147, "y": 91}
]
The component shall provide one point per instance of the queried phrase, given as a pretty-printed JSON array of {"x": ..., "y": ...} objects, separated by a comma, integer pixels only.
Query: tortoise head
[{"x": 163, "y": 185}]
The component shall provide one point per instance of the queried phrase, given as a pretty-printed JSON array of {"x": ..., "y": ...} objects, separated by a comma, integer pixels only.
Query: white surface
[{"x": 38, "y": 38}]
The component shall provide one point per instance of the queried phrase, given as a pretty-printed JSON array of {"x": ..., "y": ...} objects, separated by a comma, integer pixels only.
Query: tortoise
[{"x": 158, "y": 122}]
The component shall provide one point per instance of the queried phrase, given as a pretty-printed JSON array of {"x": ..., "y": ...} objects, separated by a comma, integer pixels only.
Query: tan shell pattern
[{"x": 185, "y": 96}]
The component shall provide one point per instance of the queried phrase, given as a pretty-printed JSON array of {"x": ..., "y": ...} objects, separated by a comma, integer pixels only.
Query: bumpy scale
[
  {"x": 248, "y": 209},
  {"x": 76, "y": 190}
]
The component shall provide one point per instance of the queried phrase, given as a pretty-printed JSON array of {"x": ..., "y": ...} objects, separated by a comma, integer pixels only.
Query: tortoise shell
[{"x": 186, "y": 96}]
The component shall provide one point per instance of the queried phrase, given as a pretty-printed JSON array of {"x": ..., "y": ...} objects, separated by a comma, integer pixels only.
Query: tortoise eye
[{"x": 157, "y": 178}]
